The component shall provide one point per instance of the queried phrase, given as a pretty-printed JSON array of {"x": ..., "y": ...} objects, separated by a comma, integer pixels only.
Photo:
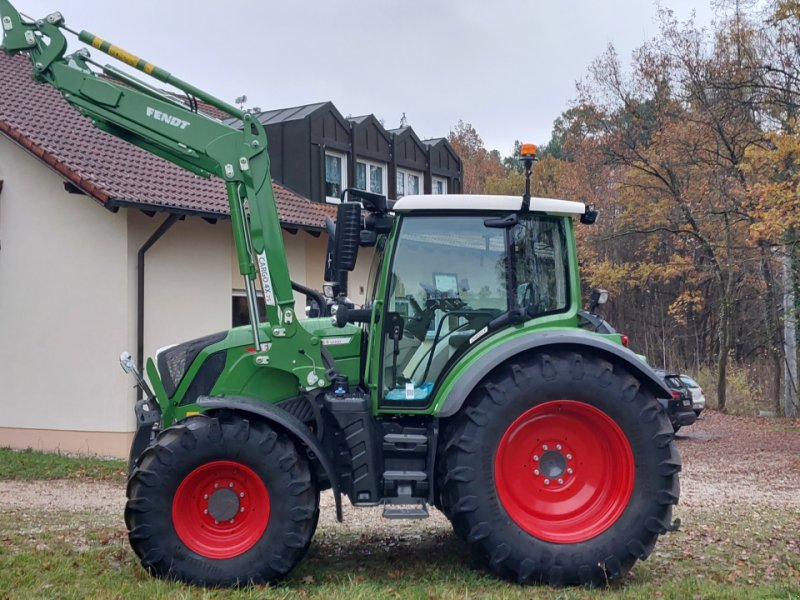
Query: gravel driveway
[{"x": 736, "y": 461}]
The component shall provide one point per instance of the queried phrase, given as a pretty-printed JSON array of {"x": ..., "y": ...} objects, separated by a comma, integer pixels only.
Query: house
[
  {"x": 444, "y": 168},
  {"x": 317, "y": 152}
]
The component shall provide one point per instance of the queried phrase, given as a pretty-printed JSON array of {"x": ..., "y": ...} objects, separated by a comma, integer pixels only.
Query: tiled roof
[
  {"x": 110, "y": 170},
  {"x": 280, "y": 115}
]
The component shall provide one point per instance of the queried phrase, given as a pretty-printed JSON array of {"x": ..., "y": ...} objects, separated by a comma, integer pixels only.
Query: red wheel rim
[
  {"x": 564, "y": 471},
  {"x": 221, "y": 509}
]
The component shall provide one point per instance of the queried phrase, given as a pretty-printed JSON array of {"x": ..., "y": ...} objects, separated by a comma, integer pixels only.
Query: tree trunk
[
  {"x": 790, "y": 337},
  {"x": 723, "y": 333},
  {"x": 773, "y": 339}
]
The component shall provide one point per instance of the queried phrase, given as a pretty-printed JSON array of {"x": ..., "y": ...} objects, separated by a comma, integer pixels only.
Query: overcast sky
[{"x": 509, "y": 68}]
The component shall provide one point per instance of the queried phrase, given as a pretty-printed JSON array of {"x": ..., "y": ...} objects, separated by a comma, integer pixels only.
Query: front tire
[
  {"x": 560, "y": 469},
  {"x": 221, "y": 501}
]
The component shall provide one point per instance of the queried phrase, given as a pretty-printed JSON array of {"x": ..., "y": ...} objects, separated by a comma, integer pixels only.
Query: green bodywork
[{"x": 272, "y": 382}]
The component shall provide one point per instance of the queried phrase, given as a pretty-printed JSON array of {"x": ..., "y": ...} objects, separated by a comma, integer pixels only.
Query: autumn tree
[
  {"x": 478, "y": 163},
  {"x": 670, "y": 138}
]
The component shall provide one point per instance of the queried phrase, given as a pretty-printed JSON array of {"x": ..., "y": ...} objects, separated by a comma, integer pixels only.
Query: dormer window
[
  {"x": 335, "y": 176},
  {"x": 370, "y": 176},
  {"x": 439, "y": 185},
  {"x": 408, "y": 182}
]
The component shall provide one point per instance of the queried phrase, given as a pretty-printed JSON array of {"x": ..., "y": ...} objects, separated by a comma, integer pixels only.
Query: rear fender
[
  {"x": 542, "y": 340},
  {"x": 285, "y": 421}
]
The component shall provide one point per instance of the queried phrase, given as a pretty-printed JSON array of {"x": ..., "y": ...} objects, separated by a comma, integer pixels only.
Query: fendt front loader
[{"x": 471, "y": 379}]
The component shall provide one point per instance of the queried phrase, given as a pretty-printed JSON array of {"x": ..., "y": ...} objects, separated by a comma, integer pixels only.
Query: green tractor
[{"x": 471, "y": 380}]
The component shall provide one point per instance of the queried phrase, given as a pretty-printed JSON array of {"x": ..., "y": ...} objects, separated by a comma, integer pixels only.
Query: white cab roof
[{"x": 486, "y": 202}]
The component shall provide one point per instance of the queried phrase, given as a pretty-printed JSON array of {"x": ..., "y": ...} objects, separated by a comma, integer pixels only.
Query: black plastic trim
[
  {"x": 543, "y": 339},
  {"x": 189, "y": 351},
  {"x": 206, "y": 377}
]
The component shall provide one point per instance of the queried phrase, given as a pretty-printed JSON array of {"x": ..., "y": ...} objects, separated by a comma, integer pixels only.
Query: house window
[
  {"x": 439, "y": 185},
  {"x": 241, "y": 315},
  {"x": 408, "y": 182},
  {"x": 335, "y": 178},
  {"x": 370, "y": 176}
]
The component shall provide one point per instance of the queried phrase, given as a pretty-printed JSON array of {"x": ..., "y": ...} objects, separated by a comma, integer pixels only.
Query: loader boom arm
[{"x": 175, "y": 130}]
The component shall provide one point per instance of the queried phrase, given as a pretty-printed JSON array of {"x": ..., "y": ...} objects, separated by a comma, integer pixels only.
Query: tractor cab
[
  {"x": 458, "y": 269},
  {"x": 458, "y": 276}
]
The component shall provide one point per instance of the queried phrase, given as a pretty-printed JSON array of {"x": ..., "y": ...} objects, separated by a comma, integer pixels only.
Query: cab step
[
  {"x": 405, "y": 475},
  {"x": 405, "y": 512}
]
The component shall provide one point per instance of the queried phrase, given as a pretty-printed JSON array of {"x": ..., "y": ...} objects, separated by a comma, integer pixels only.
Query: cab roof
[{"x": 485, "y": 202}]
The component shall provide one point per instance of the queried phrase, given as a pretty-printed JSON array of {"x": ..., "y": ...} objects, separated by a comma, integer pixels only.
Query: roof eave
[
  {"x": 83, "y": 184},
  {"x": 187, "y": 212}
]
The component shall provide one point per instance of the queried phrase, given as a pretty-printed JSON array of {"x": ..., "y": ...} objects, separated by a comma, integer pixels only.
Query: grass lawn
[
  {"x": 29, "y": 465},
  {"x": 721, "y": 552}
]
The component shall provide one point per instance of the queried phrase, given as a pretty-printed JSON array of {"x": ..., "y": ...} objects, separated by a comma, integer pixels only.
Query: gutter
[{"x": 116, "y": 203}]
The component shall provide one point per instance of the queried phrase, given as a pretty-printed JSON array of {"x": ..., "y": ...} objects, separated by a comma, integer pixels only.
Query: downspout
[{"x": 162, "y": 229}]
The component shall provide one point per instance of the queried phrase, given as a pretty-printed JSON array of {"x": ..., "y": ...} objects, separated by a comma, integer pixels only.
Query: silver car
[{"x": 698, "y": 398}]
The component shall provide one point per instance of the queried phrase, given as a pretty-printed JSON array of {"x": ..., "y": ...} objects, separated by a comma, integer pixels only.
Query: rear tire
[
  {"x": 221, "y": 501},
  {"x": 604, "y": 445}
]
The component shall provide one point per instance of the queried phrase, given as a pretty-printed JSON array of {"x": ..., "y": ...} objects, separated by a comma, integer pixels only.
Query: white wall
[
  {"x": 63, "y": 303},
  {"x": 68, "y": 298},
  {"x": 187, "y": 280}
]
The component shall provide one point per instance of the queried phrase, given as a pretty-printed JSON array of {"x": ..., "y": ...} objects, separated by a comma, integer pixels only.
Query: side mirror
[
  {"x": 589, "y": 216},
  {"x": 348, "y": 236}
]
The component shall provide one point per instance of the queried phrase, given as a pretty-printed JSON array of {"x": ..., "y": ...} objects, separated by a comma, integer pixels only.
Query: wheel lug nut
[
  {"x": 216, "y": 485},
  {"x": 546, "y": 447},
  {"x": 558, "y": 446},
  {"x": 231, "y": 521},
  {"x": 216, "y": 522},
  {"x": 547, "y": 482},
  {"x": 536, "y": 471},
  {"x": 241, "y": 494},
  {"x": 569, "y": 471},
  {"x": 569, "y": 456},
  {"x": 205, "y": 496},
  {"x": 535, "y": 457},
  {"x": 230, "y": 484},
  {"x": 205, "y": 512},
  {"x": 241, "y": 509},
  {"x": 560, "y": 481}
]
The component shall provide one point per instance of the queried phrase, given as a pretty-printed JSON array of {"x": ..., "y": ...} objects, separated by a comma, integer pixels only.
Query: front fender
[
  {"x": 455, "y": 392},
  {"x": 285, "y": 420}
]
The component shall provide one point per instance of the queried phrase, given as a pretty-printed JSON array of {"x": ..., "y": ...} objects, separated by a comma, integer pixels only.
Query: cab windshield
[{"x": 450, "y": 280}]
